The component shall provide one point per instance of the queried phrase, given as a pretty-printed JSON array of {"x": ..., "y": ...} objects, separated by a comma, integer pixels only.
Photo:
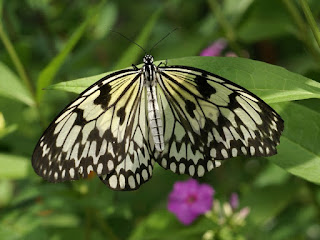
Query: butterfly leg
[
  {"x": 134, "y": 67},
  {"x": 165, "y": 64}
]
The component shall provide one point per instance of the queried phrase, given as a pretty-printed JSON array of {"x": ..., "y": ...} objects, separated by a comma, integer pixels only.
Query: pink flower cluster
[{"x": 190, "y": 199}]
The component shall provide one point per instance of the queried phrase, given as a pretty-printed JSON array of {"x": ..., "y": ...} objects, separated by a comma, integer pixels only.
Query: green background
[{"x": 46, "y": 44}]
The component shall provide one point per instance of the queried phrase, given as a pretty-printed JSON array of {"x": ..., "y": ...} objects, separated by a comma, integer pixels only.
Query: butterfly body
[
  {"x": 150, "y": 82},
  {"x": 185, "y": 119}
]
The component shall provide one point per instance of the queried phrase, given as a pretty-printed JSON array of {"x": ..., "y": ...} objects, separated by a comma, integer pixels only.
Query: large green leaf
[
  {"x": 11, "y": 87},
  {"x": 299, "y": 149},
  {"x": 47, "y": 75},
  {"x": 271, "y": 83}
]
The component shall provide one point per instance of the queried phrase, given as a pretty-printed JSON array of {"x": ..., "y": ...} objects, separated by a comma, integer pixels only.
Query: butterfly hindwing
[
  {"x": 208, "y": 118},
  {"x": 99, "y": 132}
]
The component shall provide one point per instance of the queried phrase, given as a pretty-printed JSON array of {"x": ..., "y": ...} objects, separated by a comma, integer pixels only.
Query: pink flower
[
  {"x": 189, "y": 199},
  {"x": 215, "y": 49},
  {"x": 234, "y": 200}
]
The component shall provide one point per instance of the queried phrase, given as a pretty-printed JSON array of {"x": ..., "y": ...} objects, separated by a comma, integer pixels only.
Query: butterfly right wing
[
  {"x": 208, "y": 118},
  {"x": 95, "y": 133}
]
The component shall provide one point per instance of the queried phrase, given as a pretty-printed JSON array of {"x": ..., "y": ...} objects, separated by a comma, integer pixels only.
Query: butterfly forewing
[{"x": 208, "y": 118}]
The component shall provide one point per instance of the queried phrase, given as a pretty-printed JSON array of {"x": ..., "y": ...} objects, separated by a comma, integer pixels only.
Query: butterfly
[{"x": 185, "y": 119}]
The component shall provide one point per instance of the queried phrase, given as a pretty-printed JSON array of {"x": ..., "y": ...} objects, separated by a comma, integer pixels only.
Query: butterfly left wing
[
  {"x": 104, "y": 130},
  {"x": 208, "y": 118}
]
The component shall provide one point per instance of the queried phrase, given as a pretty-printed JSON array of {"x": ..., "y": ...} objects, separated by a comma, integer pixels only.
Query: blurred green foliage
[{"x": 46, "y": 43}]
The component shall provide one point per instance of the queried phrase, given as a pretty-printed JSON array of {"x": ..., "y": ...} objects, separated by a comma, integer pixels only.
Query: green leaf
[
  {"x": 1, "y": 8},
  {"x": 6, "y": 192},
  {"x": 78, "y": 85},
  {"x": 61, "y": 220},
  {"x": 267, "y": 202},
  {"x": 299, "y": 149},
  {"x": 47, "y": 75},
  {"x": 235, "y": 12},
  {"x": 271, "y": 83},
  {"x": 133, "y": 52},
  {"x": 271, "y": 175},
  {"x": 11, "y": 86},
  {"x": 13, "y": 166},
  {"x": 8, "y": 130},
  {"x": 106, "y": 19},
  {"x": 5, "y": 130}
]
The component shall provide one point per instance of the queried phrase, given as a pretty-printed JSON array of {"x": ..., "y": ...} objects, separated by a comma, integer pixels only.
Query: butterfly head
[{"x": 148, "y": 59}]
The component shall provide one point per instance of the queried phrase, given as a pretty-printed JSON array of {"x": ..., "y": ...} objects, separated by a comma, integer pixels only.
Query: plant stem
[
  {"x": 87, "y": 234},
  {"x": 312, "y": 191},
  {"x": 302, "y": 26},
  {"x": 227, "y": 28},
  {"x": 20, "y": 69},
  {"x": 296, "y": 16},
  {"x": 311, "y": 20},
  {"x": 15, "y": 59}
]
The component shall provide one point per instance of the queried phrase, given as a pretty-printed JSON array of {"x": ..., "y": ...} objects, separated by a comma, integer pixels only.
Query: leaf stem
[
  {"x": 311, "y": 20},
  {"x": 15, "y": 59},
  {"x": 226, "y": 26}
]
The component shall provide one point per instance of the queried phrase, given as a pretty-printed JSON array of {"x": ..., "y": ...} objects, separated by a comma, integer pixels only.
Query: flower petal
[{"x": 215, "y": 48}]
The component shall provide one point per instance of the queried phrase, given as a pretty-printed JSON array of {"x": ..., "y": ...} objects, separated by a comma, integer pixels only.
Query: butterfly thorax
[{"x": 155, "y": 121}]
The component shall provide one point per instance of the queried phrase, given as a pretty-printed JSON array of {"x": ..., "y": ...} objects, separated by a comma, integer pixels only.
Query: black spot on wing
[
  {"x": 190, "y": 107},
  {"x": 204, "y": 87},
  {"x": 80, "y": 121},
  {"x": 121, "y": 114},
  {"x": 104, "y": 97}
]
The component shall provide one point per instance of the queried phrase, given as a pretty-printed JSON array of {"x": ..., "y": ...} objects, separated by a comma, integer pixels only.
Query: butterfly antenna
[
  {"x": 130, "y": 40},
  {"x": 163, "y": 38}
]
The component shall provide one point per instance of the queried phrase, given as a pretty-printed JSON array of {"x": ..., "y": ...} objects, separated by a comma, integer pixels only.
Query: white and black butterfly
[{"x": 185, "y": 119}]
